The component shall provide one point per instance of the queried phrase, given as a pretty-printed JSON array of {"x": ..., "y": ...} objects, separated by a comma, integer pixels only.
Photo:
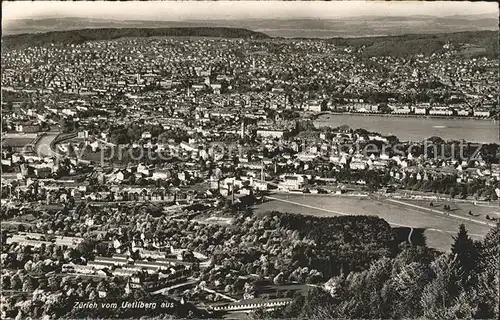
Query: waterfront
[{"x": 407, "y": 128}]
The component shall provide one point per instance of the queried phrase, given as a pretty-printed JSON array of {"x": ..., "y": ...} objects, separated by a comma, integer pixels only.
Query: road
[
  {"x": 43, "y": 145},
  {"x": 220, "y": 294},
  {"x": 175, "y": 286},
  {"x": 409, "y": 236}
]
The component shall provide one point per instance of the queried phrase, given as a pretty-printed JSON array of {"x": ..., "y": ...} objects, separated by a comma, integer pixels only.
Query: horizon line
[
  {"x": 239, "y": 10},
  {"x": 261, "y": 18}
]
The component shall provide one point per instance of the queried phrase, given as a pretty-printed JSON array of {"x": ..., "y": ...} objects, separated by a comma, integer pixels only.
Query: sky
[{"x": 214, "y": 10}]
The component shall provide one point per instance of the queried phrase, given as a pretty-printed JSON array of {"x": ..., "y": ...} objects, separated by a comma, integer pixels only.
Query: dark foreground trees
[{"x": 416, "y": 283}]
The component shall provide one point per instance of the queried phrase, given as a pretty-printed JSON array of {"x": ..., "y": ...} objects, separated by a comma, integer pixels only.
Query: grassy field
[
  {"x": 462, "y": 208},
  {"x": 16, "y": 142},
  {"x": 439, "y": 230}
]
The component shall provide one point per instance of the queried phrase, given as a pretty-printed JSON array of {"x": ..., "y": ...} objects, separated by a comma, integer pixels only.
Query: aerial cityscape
[{"x": 240, "y": 168}]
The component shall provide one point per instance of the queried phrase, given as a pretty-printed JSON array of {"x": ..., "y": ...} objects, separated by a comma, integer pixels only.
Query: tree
[
  {"x": 66, "y": 125},
  {"x": 86, "y": 247},
  {"x": 15, "y": 282},
  {"x": 28, "y": 266},
  {"x": 53, "y": 283},
  {"x": 317, "y": 305},
  {"x": 444, "y": 297},
  {"x": 488, "y": 280},
  {"x": 6, "y": 282},
  {"x": 453, "y": 192},
  {"x": 403, "y": 291},
  {"x": 28, "y": 284},
  {"x": 294, "y": 309},
  {"x": 466, "y": 251}
]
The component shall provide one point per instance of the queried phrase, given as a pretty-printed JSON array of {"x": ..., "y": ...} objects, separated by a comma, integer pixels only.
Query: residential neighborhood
[{"x": 189, "y": 177}]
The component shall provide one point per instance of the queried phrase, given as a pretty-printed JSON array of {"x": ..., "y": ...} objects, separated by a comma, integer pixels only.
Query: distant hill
[
  {"x": 404, "y": 45},
  {"x": 362, "y": 26},
  {"x": 484, "y": 43},
  {"x": 82, "y": 35}
]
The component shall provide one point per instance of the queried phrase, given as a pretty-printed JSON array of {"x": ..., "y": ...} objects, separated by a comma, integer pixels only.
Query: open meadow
[{"x": 438, "y": 229}]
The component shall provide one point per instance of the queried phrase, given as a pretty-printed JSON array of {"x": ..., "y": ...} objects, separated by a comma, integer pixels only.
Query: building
[
  {"x": 271, "y": 133},
  {"x": 28, "y": 127},
  {"x": 420, "y": 110},
  {"x": 83, "y": 134},
  {"x": 403, "y": 110},
  {"x": 358, "y": 165},
  {"x": 463, "y": 113},
  {"x": 440, "y": 111},
  {"x": 295, "y": 182},
  {"x": 481, "y": 113},
  {"x": 313, "y": 106},
  {"x": 248, "y": 305}
]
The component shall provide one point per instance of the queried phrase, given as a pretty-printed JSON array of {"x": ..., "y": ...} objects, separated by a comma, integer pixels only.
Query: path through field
[{"x": 439, "y": 228}]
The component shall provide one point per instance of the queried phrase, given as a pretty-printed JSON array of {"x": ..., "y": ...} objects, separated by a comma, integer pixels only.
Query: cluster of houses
[
  {"x": 229, "y": 127},
  {"x": 123, "y": 266},
  {"x": 36, "y": 240},
  {"x": 423, "y": 109}
]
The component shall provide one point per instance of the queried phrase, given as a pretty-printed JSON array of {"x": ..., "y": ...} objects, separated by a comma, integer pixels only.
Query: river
[{"x": 415, "y": 129}]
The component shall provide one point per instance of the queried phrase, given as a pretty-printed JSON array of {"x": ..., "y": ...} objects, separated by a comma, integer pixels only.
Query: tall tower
[
  {"x": 253, "y": 63},
  {"x": 242, "y": 131},
  {"x": 262, "y": 176},
  {"x": 232, "y": 192}
]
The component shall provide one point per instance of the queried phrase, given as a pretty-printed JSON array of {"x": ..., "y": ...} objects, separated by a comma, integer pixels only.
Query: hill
[
  {"x": 82, "y": 35},
  {"x": 422, "y": 43},
  {"x": 358, "y": 26},
  {"x": 480, "y": 43}
]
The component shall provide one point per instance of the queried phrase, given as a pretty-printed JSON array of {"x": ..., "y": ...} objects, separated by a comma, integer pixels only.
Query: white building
[
  {"x": 292, "y": 182},
  {"x": 270, "y": 133},
  {"x": 440, "y": 111},
  {"x": 358, "y": 165},
  {"x": 403, "y": 110},
  {"x": 482, "y": 113},
  {"x": 161, "y": 174},
  {"x": 83, "y": 134},
  {"x": 252, "y": 304},
  {"x": 420, "y": 110}
]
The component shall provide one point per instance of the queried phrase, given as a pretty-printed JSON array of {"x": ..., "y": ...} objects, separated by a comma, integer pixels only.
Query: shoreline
[{"x": 326, "y": 113}]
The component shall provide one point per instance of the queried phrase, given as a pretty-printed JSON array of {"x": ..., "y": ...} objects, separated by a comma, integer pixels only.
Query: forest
[
  {"x": 421, "y": 43},
  {"x": 415, "y": 283},
  {"x": 83, "y": 35}
]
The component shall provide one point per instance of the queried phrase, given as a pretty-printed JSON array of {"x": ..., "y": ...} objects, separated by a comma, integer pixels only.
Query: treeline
[
  {"x": 83, "y": 35},
  {"x": 341, "y": 244},
  {"x": 421, "y": 43}
]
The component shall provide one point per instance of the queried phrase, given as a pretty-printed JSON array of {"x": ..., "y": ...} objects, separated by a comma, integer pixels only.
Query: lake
[{"x": 415, "y": 129}]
